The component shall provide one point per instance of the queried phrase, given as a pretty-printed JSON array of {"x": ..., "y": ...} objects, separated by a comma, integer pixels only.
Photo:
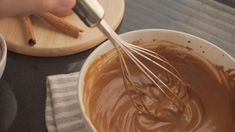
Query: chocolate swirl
[{"x": 209, "y": 101}]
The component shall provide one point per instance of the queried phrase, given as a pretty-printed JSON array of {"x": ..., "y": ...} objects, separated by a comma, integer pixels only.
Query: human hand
[{"x": 26, "y": 7}]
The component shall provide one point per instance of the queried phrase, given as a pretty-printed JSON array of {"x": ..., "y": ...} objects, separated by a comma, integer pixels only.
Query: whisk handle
[{"x": 90, "y": 12}]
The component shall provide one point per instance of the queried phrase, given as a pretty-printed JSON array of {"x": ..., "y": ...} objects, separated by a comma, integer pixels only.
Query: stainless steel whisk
[{"x": 91, "y": 13}]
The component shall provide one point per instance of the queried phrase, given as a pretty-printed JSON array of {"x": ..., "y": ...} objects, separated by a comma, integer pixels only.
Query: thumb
[{"x": 26, "y": 7}]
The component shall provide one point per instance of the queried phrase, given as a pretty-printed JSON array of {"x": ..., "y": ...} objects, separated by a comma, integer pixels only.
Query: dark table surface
[{"x": 27, "y": 75}]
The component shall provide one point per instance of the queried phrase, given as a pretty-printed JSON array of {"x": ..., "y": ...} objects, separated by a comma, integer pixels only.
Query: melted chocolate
[{"x": 209, "y": 99}]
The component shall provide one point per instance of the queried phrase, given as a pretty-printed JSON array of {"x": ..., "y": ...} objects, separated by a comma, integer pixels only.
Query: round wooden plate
[{"x": 50, "y": 42}]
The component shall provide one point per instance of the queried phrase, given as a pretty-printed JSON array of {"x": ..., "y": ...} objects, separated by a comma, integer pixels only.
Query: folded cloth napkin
[{"x": 62, "y": 106}]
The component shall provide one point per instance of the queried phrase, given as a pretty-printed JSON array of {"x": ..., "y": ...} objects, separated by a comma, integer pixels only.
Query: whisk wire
[
  {"x": 149, "y": 73},
  {"x": 126, "y": 76},
  {"x": 130, "y": 50},
  {"x": 167, "y": 92},
  {"x": 154, "y": 55}
]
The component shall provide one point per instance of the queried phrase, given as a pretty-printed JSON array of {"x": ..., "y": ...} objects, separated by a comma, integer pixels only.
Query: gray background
[{"x": 27, "y": 75}]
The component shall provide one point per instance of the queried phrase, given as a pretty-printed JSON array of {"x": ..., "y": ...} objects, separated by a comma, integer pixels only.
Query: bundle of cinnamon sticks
[{"x": 57, "y": 22}]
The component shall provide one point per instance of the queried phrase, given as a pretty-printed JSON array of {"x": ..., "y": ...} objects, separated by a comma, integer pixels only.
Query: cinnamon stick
[
  {"x": 61, "y": 24},
  {"x": 29, "y": 32}
]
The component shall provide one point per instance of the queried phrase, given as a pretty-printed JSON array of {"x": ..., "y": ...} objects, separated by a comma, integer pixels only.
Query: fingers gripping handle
[{"x": 90, "y": 11}]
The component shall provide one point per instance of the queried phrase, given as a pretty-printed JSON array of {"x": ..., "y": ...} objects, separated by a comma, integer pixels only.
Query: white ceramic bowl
[
  {"x": 200, "y": 46},
  {"x": 3, "y": 54}
]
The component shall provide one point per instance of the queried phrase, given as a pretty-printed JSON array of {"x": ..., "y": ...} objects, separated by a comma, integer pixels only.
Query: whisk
[{"x": 91, "y": 13}]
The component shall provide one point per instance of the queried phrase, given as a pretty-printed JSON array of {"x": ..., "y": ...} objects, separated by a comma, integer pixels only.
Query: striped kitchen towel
[{"x": 62, "y": 109}]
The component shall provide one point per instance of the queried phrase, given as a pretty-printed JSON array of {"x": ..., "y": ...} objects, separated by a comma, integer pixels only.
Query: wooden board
[{"x": 50, "y": 42}]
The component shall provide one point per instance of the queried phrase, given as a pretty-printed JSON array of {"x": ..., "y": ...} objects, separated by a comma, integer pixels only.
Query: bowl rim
[
  {"x": 4, "y": 51},
  {"x": 95, "y": 54}
]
